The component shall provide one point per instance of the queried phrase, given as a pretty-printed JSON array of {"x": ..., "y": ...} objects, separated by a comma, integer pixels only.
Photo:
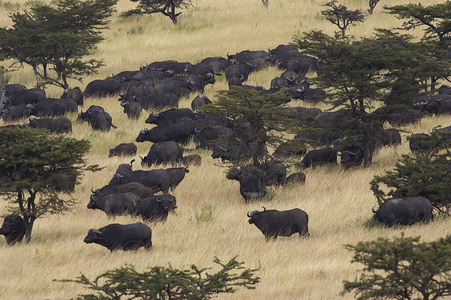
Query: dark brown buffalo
[
  {"x": 297, "y": 177},
  {"x": 123, "y": 149}
]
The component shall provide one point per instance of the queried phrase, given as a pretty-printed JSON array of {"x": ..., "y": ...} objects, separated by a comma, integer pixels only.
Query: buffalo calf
[{"x": 123, "y": 149}]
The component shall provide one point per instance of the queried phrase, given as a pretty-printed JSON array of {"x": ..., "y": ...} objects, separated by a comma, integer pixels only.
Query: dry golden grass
[{"x": 211, "y": 216}]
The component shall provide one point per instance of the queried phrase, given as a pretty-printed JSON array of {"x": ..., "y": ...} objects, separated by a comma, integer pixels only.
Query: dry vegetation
[{"x": 211, "y": 216}]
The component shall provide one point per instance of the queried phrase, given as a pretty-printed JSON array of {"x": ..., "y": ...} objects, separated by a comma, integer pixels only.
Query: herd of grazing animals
[{"x": 159, "y": 86}]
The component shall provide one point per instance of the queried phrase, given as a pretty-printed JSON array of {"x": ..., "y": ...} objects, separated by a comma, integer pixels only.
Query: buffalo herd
[{"x": 158, "y": 87}]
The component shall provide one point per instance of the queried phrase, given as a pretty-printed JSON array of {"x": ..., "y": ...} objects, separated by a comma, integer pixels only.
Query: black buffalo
[
  {"x": 207, "y": 137},
  {"x": 351, "y": 156},
  {"x": 53, "y": 107},
  {"x": 319, "y": 157},
  {"x": 124, "y": 237},
  {"x": 117, "y": 204},
  {"x": 26, "y": 97},
  {"x": 123, "y": 149},
  {"x": 217, "y": 63},
  {"x": 124, "y": 169},
  {"x": 239, "y": 71},
  {"x": 181, "y": 132},
  {"x": 14, "y": 113},
  {"x": 157, "y": 208},
  {"x": 274, "y": 223},
  {"x": 279, "y": 55},
  {"x": 13, "y": 229},
  {"x": 133, "y": 187},
  {"x": 404, "y": 211},
  {"x": 252, "y": 185},
  {"x": 74, "y": 94},
  {"x": 53, "y": 125},
  {"x": 163, "y": 153},
  {"x": 199, "y": 101},
  {"x": 156, "y": 179},
  {"x": 102, "y": 87},
  {"x": 236, "y": 150},
  {"x": 170, "y": 116},
  {"x": 97, "y": 118}
]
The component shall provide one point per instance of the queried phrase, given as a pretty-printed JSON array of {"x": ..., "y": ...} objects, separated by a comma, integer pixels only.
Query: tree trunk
[
  {"x": 2, "y": 97},
  {"x": 29, "y": 222},
  {"x": 173, "y": 15}
]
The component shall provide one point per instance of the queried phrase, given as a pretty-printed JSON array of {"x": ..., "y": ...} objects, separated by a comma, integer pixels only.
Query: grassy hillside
[{"x": 211, "y": 216}]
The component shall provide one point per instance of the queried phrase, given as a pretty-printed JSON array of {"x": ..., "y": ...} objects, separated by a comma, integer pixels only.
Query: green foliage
[
  {"x": 169, "y": 283},
  {"x": 54, "y": 40},
  {"x": 206, "y": 214},
  {"x": 430, "y": 54},
  {"x": 402, "y": 268},
  {"x": 355, "y": 76},
  {"x": 30, "y": 162},
  {"x": 341, "y": 16},
  {"x": 263, "y": 114},
  {"x": 165, "y": 7},
  {"x": 424, "y": 173},
  {"x": 435, "y": 18}
]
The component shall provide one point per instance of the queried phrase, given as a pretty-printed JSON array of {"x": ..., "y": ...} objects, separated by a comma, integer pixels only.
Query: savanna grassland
[{"x": 211, "y": 216}]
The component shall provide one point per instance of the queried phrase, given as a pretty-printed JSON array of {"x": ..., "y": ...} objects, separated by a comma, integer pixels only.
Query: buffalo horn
[
  {"x": 131, "y": 162},
  {"x": 248, "y": 214},
  {"x": 98, "y": 232},
  {"x": 142, "y": 132},
  {"x": 124, "y": 103},
  {"x": 352, "y": 153},
  {"x": 92, "y": 189},
  {"x": 372, "y": 209},
  {"x": 264, "y": 208}
]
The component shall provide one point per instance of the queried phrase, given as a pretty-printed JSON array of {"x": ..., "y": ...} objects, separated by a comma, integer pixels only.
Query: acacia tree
[
  {"x": 341, "y": 16},
  {"x": 165, "y": 7},
  {"x": 354, "y": 75},
  {"x": 372, "y": 4},
  {"x": 402, "y": 268},
  {"x": 54, "y": 40},
  {"x": 424, "y": 173},
  {"x": 434, "y": 44},
  {"x": 169, "y": 283},
  {"x": 33, "y": 167},
  {"x": 262, "y": 114}
]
